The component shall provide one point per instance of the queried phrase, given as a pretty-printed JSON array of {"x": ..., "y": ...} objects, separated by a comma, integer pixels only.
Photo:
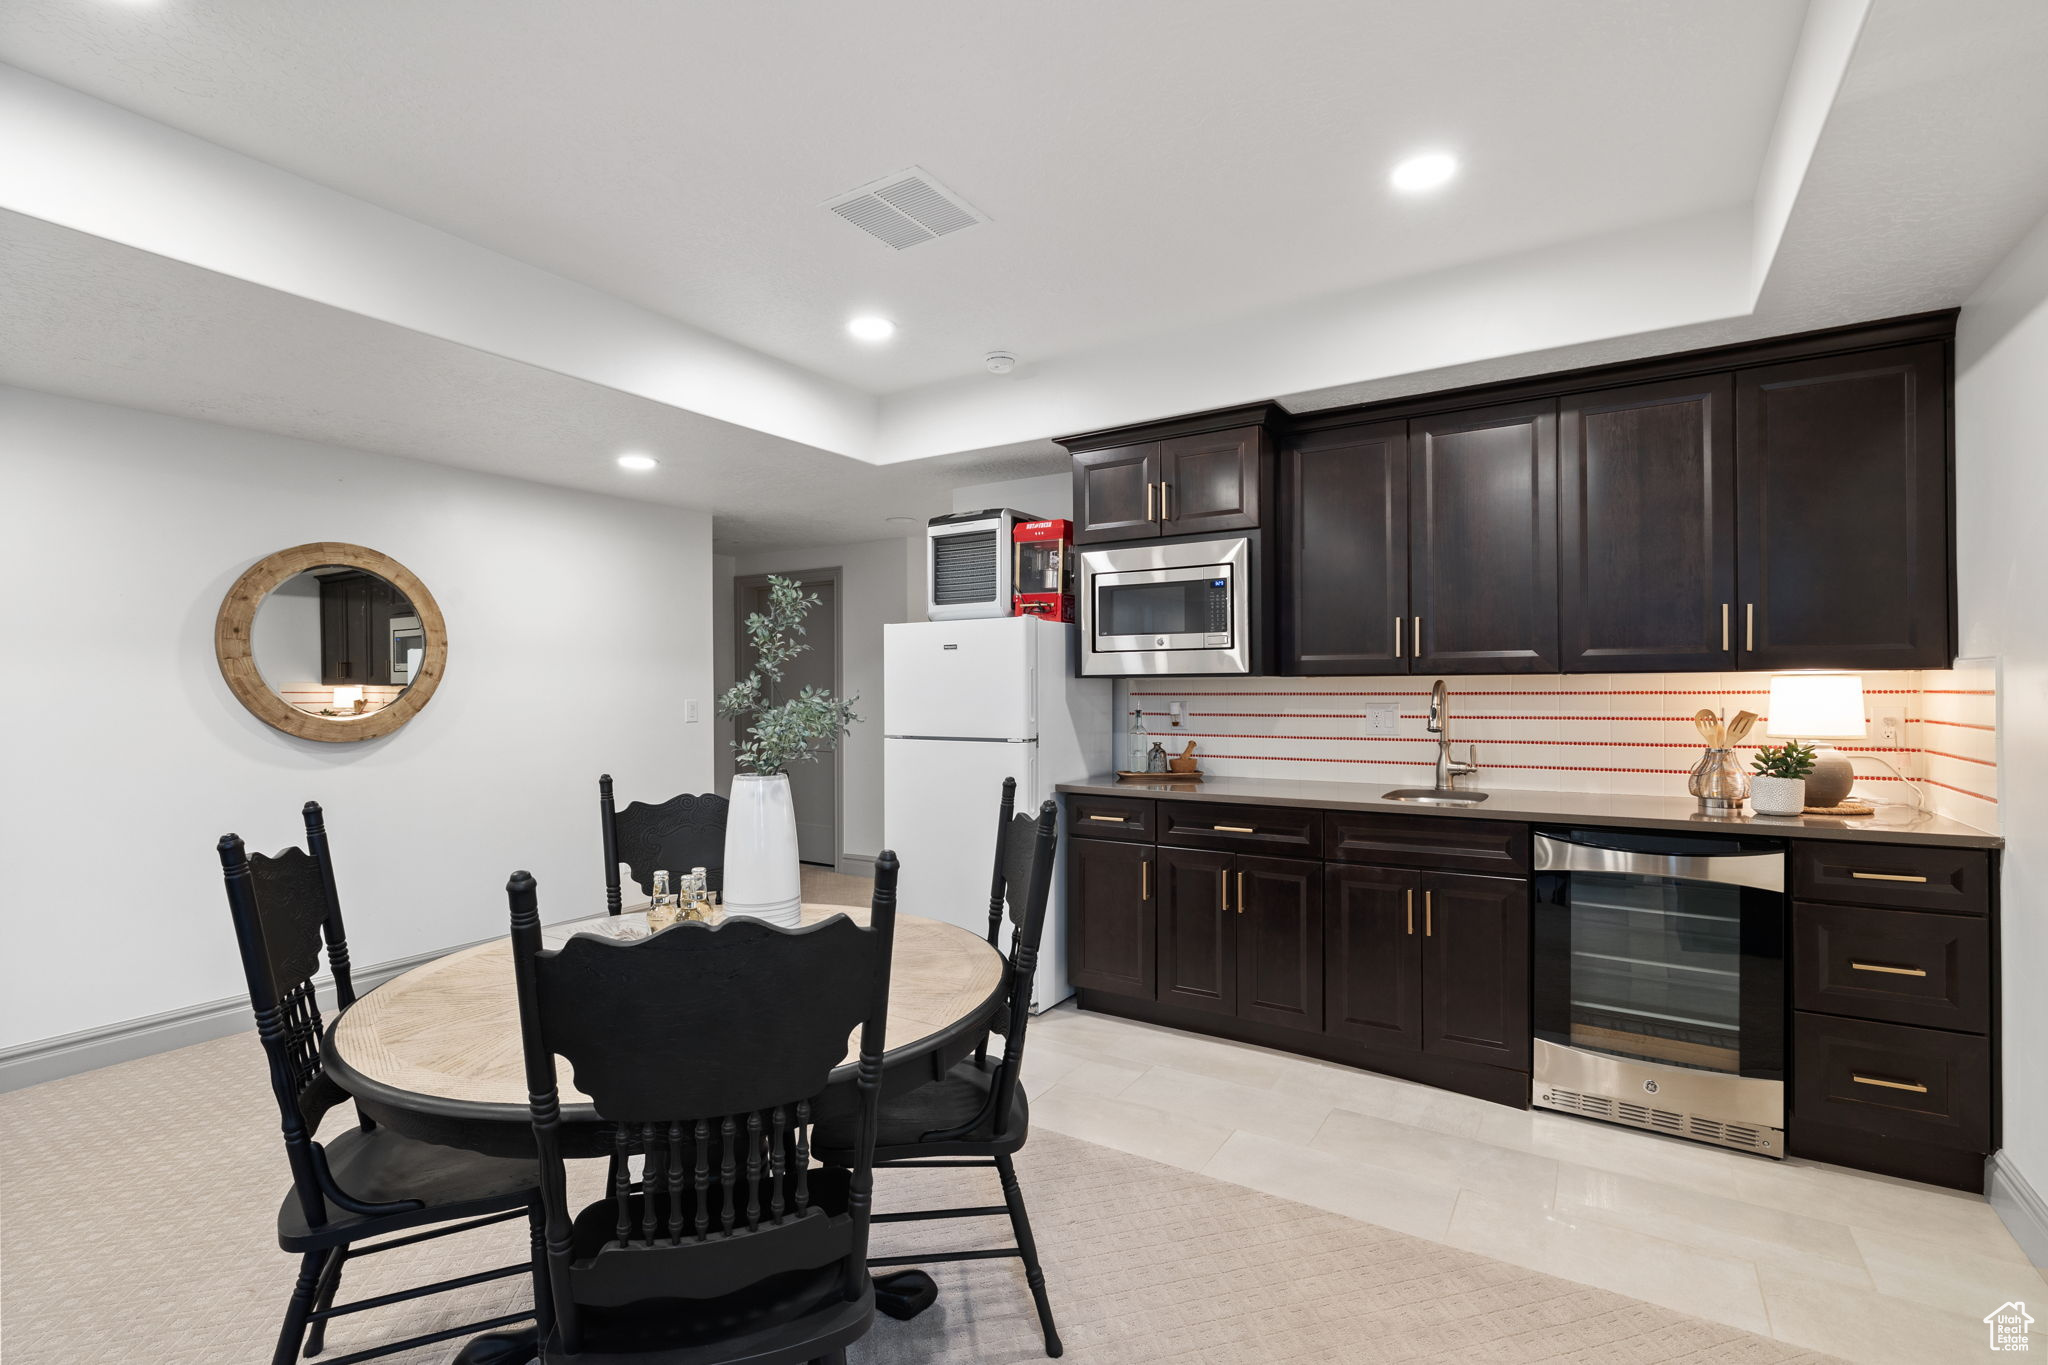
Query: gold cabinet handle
[
  {"x": 1110, "y": 819},
  {"x": 1164, "y": 503},
  {"x": 1428, "y": 914},
  {"x": 1148, "y": 502},
  {"x": 1397, "y": 637},
  {"x": 1724, "y": 624},
  {"x": 1861, "y": 1079},
  {"x": 1417, "y": 651},
  {"x": 1411, "y": 909},
  {"x": 1240, "y": 892},
  {"x": 1223, "y": 891},
  {"x": 1233, "y": 829},
  {"x": 1145, "y": 879},
  {"x": 1889, "y": 971},
  {"x": 1886, "y": 877},
  {"x": 1749, "y": 625}
]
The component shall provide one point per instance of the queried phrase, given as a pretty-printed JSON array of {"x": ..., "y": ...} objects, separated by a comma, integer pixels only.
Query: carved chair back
[
  {"x": 674, "y": 835},
  {"x": 706, "y": 1049}
]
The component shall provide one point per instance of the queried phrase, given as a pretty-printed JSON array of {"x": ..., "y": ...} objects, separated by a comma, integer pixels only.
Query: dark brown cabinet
[
  {"x": 1344, "y": 571},
  {"x": 1279, "y": 905},
  {"x": 1482, "y": 541},
  {"x": 1372, "y": 967},
  {"x": 356, "y": 610},
  {"x": 1113, "y": 942},
  {"x": 1475, "y": 969},
  {"x": 1646, "y": 527},
  {"x": 1842, "y": 481},
  {"x": 1197, "y": 965},
  {"x": 1185, "y": 483}
]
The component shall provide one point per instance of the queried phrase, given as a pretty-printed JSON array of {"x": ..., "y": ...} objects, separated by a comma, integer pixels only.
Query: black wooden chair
[
  {"x": 977, "y": 1115},
  {"x": 707, "y": 1049},
  {"x": 678, "y": 834},
  {"x": 368, "y": 1181}
]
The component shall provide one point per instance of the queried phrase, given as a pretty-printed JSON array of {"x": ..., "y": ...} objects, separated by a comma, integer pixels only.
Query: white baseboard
[
  {"x": 50, "y": 1059},
  {"x": 2018, "y": 1205},
  {"x": 857, "y": 864}
]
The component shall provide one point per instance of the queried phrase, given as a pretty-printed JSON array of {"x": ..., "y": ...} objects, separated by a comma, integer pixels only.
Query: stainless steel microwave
[{"x": 1168, "y": 607}]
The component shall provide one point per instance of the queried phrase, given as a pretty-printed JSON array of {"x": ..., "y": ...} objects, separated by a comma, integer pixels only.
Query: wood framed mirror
[{"x": 331, "y": 642}]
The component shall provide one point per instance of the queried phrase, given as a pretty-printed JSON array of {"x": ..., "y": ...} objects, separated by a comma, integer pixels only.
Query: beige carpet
[{"x": 137, "y": 1207}]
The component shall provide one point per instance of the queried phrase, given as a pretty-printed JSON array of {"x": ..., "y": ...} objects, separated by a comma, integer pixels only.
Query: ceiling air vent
[{"x": 905, "y": 208}]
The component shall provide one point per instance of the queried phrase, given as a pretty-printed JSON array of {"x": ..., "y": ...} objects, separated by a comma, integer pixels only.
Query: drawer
[
  {"x": 1111, "y": 817},
  {"x": 1898, "y": 966},
  {"x": 1890, "y": 1081},
  {"x": 1439, "y": 843},
  {"x": 1282, "y": 830},
  {"x": 1898, "y": 876}
]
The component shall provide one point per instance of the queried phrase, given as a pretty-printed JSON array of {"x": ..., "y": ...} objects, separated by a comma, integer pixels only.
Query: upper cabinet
[
  {"x": 1646, "y": 527},
  {"x": 1344, "y": 552},
  {"x": 1482, "y": 541},
  {"x": 1779, "y": 505},
  {"x": 1200, "y": 475},
  {"x": 1843, "y": 554}
]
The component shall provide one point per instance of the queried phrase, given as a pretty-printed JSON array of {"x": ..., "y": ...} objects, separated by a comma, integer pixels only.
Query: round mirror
[{"x": 331, "y": 642}]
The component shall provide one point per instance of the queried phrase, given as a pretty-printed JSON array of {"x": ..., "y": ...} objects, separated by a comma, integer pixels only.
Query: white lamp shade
[
  {"x": 1816, "y": 706},
  {"x": 347, "y": 696}
]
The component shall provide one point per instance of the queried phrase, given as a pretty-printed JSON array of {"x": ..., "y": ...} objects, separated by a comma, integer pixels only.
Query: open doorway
[{"x": 814, "y": 787}]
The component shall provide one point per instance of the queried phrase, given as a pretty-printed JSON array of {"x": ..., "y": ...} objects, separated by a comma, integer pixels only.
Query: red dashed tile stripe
[{"x": 1960, "y": 758}]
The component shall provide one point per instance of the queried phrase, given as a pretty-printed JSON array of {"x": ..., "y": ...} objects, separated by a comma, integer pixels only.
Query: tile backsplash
[{"x": 1629, "y": 733}]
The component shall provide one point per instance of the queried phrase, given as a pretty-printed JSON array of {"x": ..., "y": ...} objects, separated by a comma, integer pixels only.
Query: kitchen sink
[{"x": 1437, "y": 796}]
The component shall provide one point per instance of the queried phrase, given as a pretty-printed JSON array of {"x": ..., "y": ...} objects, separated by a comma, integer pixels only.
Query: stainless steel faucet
[{"x": 1448, "y": 769}]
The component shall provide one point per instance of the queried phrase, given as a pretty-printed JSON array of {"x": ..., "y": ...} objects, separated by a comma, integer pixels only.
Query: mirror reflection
[{"x": 337, "y": 641}]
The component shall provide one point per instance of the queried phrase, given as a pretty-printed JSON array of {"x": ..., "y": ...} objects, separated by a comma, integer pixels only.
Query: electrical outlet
[
  {"x": 690, "y": 712},
  {"x": 1177, "y": 713},
  {"x": 1382, "y": 717},
  {"x": 1890, "y": 731}
]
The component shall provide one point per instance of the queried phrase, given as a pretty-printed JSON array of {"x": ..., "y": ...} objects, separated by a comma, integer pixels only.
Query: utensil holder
[{"x": 1719, "y": 783}]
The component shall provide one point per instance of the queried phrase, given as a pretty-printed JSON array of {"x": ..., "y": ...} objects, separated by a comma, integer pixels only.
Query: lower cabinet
[
  {"x": 1112, "y": 942},
  {"x": 1429, "y": 962},
  {"x": 1242, "y": 935},
  {"x": 1197, "y": 968}
]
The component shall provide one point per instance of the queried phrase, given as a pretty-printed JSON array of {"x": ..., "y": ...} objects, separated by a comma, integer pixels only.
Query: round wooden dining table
[{"x": 435, "y": 1052}]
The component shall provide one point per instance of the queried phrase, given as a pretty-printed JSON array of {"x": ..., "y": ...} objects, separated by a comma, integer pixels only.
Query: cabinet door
[
  {"x": 1112, "y": 932},
  {"x": 1197, "y": 931},
  {"x": 1475, "y": 968},
  {"x": 1116, "y": 494},
  {"x": 1482, "y": 541},
  {"x": 1373, "y": 945},
  {"x": 1210, "y": 482},
  {"x": 1646, "y": 527},
  {"x": 1843, "y": 531},
  {"x": 1279, "y": 904},
  {"x": 1344, "y": 518}
]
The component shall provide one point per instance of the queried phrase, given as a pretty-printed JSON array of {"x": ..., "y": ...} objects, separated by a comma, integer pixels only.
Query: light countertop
[{"x": 1891, "y": 824}]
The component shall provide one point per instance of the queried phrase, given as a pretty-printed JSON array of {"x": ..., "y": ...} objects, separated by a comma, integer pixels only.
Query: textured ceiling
[{"x": 1148, "y": 165}]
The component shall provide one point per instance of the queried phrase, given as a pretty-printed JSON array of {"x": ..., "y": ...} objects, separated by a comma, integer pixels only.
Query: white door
[
  {"x": 961, "y": 679},
  {"x": 939, "y": 816}
]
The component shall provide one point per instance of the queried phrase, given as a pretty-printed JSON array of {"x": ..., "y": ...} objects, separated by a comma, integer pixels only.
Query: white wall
[
  {"x": 2001, "y": 487},
  {"x": 873, "y": 592},
  {"x": 1049, "y": 496},
  {"x": 577, "y": 625}
]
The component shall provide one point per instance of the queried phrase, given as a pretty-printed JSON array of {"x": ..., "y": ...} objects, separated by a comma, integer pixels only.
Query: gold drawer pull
[
  {"x": 1110, "y": 819},
  {"x": 1886, "y": 877},
  {"x": 1890, "y": 971},
  {"x": 1233, "y": 829},
  {"x": 1888, "y": 1085}
]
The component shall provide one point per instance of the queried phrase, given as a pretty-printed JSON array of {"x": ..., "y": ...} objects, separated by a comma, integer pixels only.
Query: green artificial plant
[
  {"x": 776, "y": 732},
  {"x": 1790, "y": 759}
]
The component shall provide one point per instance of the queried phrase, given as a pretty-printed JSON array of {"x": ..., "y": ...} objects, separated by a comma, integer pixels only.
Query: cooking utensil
[{"x": 1738, "y": 729}]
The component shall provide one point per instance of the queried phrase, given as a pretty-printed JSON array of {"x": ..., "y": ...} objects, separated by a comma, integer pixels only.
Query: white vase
[
  {"x": 1777, "y": 795},
  {"x": 762, "y": 878}
]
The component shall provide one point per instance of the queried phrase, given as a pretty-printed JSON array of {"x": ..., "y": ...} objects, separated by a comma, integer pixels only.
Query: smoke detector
[
  {"x": 999, "y": 362},
  {"x": 904, "y": 209}
]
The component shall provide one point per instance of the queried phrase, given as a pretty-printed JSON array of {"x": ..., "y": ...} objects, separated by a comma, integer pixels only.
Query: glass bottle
[
  {"x": 1155, "y": 759},
  {"x": 699, "y": 906},
  {"x": 1140, "y": 742}
]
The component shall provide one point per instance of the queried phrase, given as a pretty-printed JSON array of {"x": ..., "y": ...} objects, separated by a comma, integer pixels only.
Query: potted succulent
[
  {"x": 1779, "y": 787},
  {"x": 761, "y": 873}
]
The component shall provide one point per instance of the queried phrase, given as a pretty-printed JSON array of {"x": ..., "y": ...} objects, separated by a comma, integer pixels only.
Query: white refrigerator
[{"x": 966, "y": 704}]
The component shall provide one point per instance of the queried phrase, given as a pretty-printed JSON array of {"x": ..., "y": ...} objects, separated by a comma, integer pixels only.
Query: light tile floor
[{"x": 1862, "y": 1266}]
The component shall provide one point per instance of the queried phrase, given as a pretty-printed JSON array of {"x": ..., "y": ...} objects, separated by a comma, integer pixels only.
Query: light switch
[
  {"x": 690, "y": 712},
  {"x": 1382, "y": 717}
]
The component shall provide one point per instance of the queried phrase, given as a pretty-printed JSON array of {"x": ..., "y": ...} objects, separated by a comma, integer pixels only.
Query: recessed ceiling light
[
  {"x": 871, "y": 328},
  {"x": 638, "y": 463},
  {"x": 1425, "y": 172}
]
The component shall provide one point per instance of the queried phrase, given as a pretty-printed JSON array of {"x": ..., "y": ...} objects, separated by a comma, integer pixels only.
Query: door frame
[{"x": 836, "y": 576}]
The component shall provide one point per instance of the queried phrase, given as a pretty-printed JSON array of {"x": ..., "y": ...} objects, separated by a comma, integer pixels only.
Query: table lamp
[{"x": 1820, "y": 706}]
